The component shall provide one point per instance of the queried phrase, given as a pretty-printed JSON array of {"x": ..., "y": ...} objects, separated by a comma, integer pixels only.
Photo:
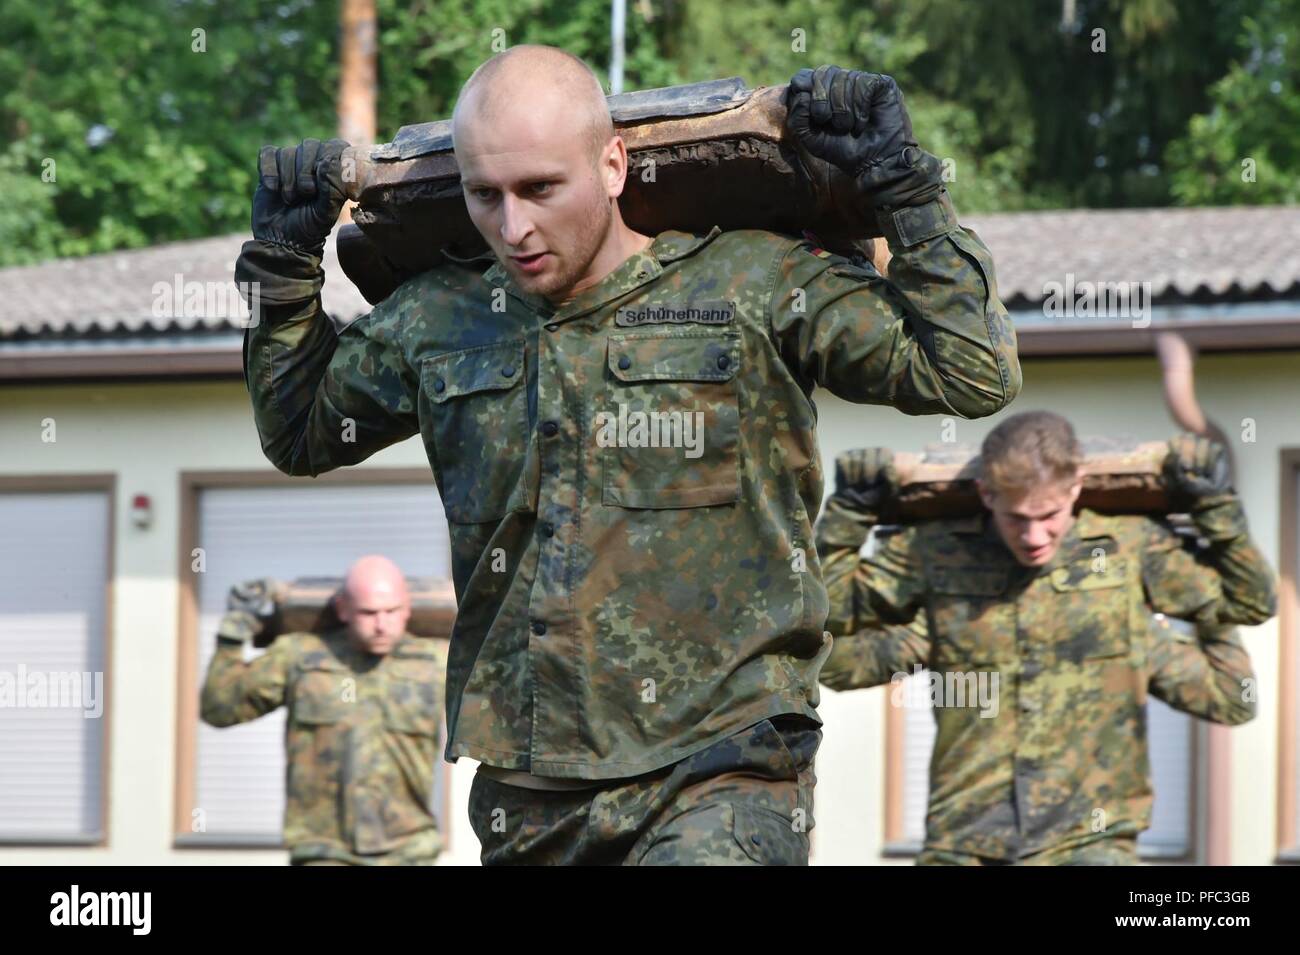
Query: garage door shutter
[
  {"x": 285, "y": 533},
  {"x": 53, "y": 636}
]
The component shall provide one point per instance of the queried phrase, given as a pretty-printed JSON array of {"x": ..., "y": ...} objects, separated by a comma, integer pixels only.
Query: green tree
[
  {"x": 148, "y": 127},
  {"x": 1088, "y": 92},
  {"x": 767, "y": 42},
  {"x": 428, "y": 49},
  {"x": 132, "y": 123},
  {"x": 1245, "y": 149}
]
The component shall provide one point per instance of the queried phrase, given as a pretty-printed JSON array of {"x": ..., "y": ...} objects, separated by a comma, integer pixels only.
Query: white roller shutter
[
  {"x": 53, "y": 635},
  {"x": 1169, "y": 740},
  {"x": 288, "y": 532},
  {"x": 919, "y": 731},
  {"x": 1169, "y": 748}
]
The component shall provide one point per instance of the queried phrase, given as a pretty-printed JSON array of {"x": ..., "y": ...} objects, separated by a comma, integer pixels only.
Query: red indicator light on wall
[{"x": 141, "y": 510}]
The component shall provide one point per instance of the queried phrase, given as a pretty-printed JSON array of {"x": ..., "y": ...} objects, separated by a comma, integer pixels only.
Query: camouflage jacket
[
  {"x": 1061, "y": 757},
  {"x": 631, "y": 479},
  {"x": 361, "y": 739}
]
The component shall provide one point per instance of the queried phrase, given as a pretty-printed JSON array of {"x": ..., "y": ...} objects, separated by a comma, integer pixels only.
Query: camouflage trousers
[
  {"x": 1118, "y": 850},
  {"x": 420, "y": 848},
  {"x": 746, "y": 800},
  {"x": 385, "y": 860}
]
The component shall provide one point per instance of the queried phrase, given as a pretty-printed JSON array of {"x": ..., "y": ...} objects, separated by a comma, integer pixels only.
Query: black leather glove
[
  {"x": 1195, "y": 470},
  {"x": 865, "y": 478},
  {"x": 857, "y": 121},
  {"x": 299, "y": 194},
  {"x": 1197, "y": 476}
]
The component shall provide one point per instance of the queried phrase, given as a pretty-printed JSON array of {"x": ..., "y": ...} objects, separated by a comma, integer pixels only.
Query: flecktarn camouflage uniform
[
  {"x": 360, "y": 744},
  {"x": 1057, "y": 772},
  {"x": 631, "y": 479}
]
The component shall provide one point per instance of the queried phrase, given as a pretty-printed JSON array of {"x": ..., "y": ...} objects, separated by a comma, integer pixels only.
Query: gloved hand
[
  {"x": 299, "y": 194},
  {"x": 256, "y": 596},
  {"x": 249, "y": 606},
  {"x": 857, "y": 121},
  {"x": 865, "y": 478},
  {"x": 1195, "y": 470},
  {"x": 239, "y": 627}
]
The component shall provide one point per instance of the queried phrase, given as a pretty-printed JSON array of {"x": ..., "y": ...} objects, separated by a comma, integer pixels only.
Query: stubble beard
[{"x": 587, "y": 246}]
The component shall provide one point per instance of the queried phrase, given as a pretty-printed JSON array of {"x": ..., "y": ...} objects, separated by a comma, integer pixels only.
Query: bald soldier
[
  {"x": 364, "y": 703},
  {"x": 622, "y": 432},
  {"x": 1051, "y": 625}
]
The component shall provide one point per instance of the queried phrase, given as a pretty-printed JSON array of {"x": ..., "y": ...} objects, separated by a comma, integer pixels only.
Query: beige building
[{"x": 133, "y": 493}]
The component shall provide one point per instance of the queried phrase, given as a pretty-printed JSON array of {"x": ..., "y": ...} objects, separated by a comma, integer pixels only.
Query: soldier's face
[
  {"x": 1033, "y": 523},
  {"x": 376, "y": 618},
  {"x": 541, "y": 200}
]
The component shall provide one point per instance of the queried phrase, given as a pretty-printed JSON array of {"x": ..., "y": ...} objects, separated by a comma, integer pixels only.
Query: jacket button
[
  {"x": 723, "y": 362},
  {"x": 508, "y": 371},
  {"x": 439, "y": 386},
  {"x": 624, "y": 362},
  {"x": 539, "y": 628},
  {"x": 548, "y": 529},
  {"x": 550, "y": 429}
]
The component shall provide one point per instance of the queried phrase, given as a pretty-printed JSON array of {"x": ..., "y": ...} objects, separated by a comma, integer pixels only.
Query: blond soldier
[{"x": 1057, "y": 605}]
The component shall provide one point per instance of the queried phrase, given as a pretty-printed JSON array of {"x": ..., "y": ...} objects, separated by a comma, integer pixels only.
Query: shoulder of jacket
[
  {"x": 316, "y": 651},
  {"x": 967, "y": 524},
  {"x": 1127, "y": 529},
  {"x": 443, "y": 278},
  {"x": 297, "y": 641},
  {"x": 411, "y": 647},
  {"x": 967, "y": 541},
  {"x": 744, "y": 243},
  {"x": 944, "y": 534},
  {"x": 456, "y": 276},
  {"x": 422, "y": 301},
  {"x": 853, "y": 263}
]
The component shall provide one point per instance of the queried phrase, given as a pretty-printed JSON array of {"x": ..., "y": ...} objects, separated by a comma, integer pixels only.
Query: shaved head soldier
[
  {"x": 622, "y": 432},
  {"x": 1051, "y": 606},
  {"x": 518, "y": 141},
  {"x": 364, "y": 704},
  {"x": 374, "y": 604}
]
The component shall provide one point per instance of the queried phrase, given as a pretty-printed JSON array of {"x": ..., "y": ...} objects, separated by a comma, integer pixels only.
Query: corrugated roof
[
  {"x": 1186, "y": 254},
  {"x": 118, "y": 292}
]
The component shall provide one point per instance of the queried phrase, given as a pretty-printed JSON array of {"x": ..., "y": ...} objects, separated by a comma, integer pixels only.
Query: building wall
[{"x": 148, "y": 433}]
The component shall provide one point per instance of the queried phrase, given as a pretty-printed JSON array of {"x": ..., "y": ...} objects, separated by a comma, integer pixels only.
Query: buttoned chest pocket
[
  {"x": 478, "y": 426},
  {"x": 670, "y": 428},
  {"x": 1090, "y": 616},
  {"x": 412, "y": 700},
  {"x": 412, "y": 707},
  {"x": 971, "y": 618},
  {"x": 323, "y": 696}
]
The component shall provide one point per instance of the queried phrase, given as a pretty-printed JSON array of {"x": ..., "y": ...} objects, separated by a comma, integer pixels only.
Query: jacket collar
[
  {"x": 1088, "y": 526},
  {"x": 637, "y": 270}
]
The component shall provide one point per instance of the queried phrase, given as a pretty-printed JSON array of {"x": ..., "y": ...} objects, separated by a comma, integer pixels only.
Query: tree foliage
[
  {"x": 1245, "y": 149},
  {"x": 147, "y": 127},
  {"x": 132, "y": 123}
]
